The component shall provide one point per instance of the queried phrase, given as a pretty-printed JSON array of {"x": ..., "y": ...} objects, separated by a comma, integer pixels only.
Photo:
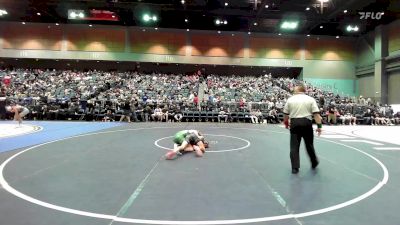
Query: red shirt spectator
[
  {"x": 241, "y": 103},
  {"x": 7, "y": 80},
  {"x": 196, "y": 100}
]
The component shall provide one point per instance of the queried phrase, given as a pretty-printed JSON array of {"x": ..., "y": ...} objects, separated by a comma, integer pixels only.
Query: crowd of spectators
[{"x": 133, "y": 96}]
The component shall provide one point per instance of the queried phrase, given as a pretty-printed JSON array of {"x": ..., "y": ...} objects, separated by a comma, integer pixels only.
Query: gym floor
[{"x": 92, "y": 173}]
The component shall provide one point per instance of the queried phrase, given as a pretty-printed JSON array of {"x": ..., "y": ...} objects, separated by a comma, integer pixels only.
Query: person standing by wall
[{"x": 299, "y": 111}]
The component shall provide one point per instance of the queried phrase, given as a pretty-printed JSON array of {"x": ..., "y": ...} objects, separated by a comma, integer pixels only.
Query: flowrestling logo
[{"x": 371, "y": 15}]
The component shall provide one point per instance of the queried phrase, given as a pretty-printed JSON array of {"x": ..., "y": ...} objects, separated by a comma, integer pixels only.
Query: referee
[{"x": 300, "y": 109}]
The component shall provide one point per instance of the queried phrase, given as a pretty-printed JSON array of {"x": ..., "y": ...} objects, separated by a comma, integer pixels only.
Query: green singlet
[{"x": 180, "y": 137}]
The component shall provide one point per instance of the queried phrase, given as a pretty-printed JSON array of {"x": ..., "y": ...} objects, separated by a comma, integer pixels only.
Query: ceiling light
[
  {"x": 266, "y": 6},
  {"x": 146, "y": 17},
  {"x": 321, "y": 26},
  {"x": 308, "y": 8},
  {"x": 249, "y": 33},
  {"x": 225, "y": 22},
  {"x": 382, "y": 13},
  {"x": 308, "y": 35},
  {"x": 345, "y": 11},
  {"x": 183, "y": 1},
  {"x": 289, "y": 25},
  {"x": 337, "y": 36},
  {"x": 113, "y": 16},
  {"x": 23, "y": 23},
  {"x": 351, "y": 28},
  {"x": 186, "y": 20},
  {"x": 156, "y": 28},
  {"x": 187, "y": 30},
  {"x": 219, "y": 32},
  {"x": 76, "y": 14},
  {"x": 90, "y": 25},
  {"x": 217, "y": 21},
  {"x": 279, "y": 34},
  {"x": 38, "y": 14},
  {"x": 255, "y": 23},
  {"x": 226, "y": 4},
  {"x": 73, "y": 15},
  {"x": 323, "y": 1},
  {"x": 233, "y": 35},
  {"x": 3, "y": 12},
  {"x": 57, "y": 24}
]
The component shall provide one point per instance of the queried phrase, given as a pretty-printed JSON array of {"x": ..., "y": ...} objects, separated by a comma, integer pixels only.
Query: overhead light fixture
[
  {"x": 3, "y": 12},
  {"x": 74, "y": 14},
  {"x": 255, "y": 23},
  {"x": 38, "y": 14},
  {"x": 321, "y": 26},
  {"x": 23, "y": 23},
  {"x": 221, "y": 22},
  {"x": 233, "y": 35},
  {"x": 266, "y": 6},
  {"x": 156, "y": 28},
  {"x": 289, "y": 25},
  {"x": 90, "y": 25},
  {"x": 323, "y": 1},
  {"x": 57, "y": 24},
  {"x": 345, "y": 11},
  {"x": 279, "y": 34},
  {"x": 219, "y": 32},
  {"x": 148, "y": 18},
  {"x": 186, "y": 20},
  {"x": 183, "y": 2},
  {"x": 187, "y": 30},
  {"x": 308, "y": 9},
  {"x": 308, "y": 35},
  {"x": 226, "y": 4},
  {"x": 337, "y": 37},
  {"x": 249, "y": 33},
  {"x": 351, "y": 28}
]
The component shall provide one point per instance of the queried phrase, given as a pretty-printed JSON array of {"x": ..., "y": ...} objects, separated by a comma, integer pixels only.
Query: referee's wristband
[{"x": 319, "y": 126}]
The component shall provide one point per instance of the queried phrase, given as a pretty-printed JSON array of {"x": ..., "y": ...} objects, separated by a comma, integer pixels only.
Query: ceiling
[{"x": 241, "y": 15}]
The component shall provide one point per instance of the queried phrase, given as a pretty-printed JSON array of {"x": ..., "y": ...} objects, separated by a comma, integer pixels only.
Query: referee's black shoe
[
  {"x": 314, "y": 165},
  {"x": 295, "y": 170}
]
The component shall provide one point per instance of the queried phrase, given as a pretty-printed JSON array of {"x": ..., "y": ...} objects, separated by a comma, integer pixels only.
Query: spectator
[
  {"x": 222, "y": 115},
  {"x": 126, "y": 112},
  {"x": 332, "y": 111},
  {"x": 253, "y": 116}
]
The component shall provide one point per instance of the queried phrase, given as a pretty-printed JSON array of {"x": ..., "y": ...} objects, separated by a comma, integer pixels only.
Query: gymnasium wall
[
  {"x": 394, "y": 38},
  {"x": 393, "y": 89},
  {"x": 321, "y": 58},
  {"x": 365, "y": 63},
  {"x": 366, "y": 85}
]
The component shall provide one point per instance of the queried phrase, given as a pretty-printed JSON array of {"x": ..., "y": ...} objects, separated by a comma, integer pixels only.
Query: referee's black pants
[{"x": 301, "y": 128}]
